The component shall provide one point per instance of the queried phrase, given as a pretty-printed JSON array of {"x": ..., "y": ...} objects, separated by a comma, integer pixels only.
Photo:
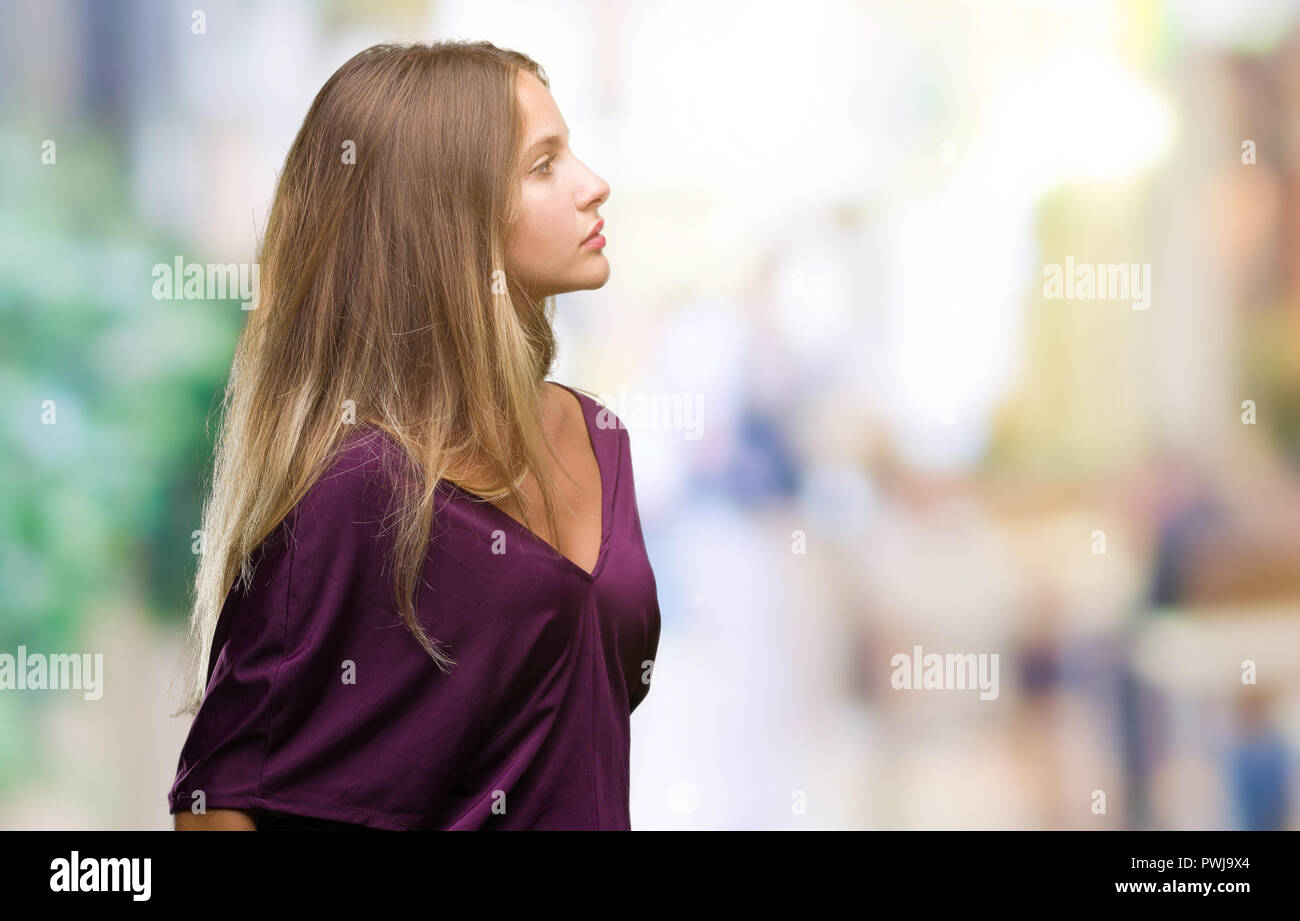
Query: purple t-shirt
[{"x": 321, "y": 703}]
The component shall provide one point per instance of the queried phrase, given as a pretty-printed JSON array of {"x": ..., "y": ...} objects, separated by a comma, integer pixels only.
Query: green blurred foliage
[{"x": 98, "y": 508}]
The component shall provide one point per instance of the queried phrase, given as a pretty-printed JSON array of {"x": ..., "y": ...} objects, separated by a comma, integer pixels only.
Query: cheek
[
  {"x": 543, "y": 244},
  {"x": 521, "y": 246},
  {"x": 544, "y": 211},
  {"x": 539, "y": 232}
]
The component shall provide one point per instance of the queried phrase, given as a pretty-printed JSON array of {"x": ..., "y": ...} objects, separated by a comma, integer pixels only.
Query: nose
[{"x": 595, "y": 192}]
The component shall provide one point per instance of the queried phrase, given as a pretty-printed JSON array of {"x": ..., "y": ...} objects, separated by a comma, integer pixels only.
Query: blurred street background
[{"x": 831, "y": 228}]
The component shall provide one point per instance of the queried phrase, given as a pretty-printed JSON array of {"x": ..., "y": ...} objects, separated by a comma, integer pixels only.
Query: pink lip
[{"x": 594, "y": 239}]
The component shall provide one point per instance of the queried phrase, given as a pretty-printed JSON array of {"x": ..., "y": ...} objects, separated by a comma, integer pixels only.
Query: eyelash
[{"x": 547, "y": 162}]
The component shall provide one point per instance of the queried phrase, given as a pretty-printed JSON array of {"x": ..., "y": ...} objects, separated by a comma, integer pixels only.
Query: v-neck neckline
[{"x": 605, "y": 501}]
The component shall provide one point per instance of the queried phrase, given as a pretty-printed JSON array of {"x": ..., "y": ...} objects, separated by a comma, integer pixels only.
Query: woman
[{"x": 409, "y": 646}]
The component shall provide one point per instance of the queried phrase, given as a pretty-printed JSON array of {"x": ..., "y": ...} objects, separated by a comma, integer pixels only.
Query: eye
[{"x": 545, "y": 163}]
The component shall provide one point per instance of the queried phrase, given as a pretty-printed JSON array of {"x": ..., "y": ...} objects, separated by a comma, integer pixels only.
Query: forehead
[{"x": 541, "y": 114}]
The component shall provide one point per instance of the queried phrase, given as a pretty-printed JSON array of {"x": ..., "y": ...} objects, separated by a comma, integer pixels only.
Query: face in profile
[{"x": 550, "y": 248}]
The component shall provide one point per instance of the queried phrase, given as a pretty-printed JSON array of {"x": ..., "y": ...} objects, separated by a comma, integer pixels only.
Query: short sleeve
[
  {"x": 223, "y": 754},
  {"x": 319, "y": 701}
]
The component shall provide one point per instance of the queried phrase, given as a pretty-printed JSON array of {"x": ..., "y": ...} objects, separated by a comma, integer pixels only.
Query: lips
[{"x": 595, "y": 230}]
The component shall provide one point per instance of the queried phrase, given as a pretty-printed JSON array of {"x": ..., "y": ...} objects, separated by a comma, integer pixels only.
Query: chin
[
  {"x": 593, "y": 277},
  {"x": 590, "y": 281}
]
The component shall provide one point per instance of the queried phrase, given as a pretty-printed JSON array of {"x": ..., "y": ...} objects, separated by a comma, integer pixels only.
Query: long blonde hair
[{"x": 383, "y": 282}]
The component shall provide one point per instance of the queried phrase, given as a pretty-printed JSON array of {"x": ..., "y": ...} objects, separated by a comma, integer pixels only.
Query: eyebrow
[{"x": 549, "y": 140}]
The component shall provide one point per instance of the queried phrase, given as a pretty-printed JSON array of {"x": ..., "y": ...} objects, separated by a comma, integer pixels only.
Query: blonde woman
[{"x": 386, "y": 634}]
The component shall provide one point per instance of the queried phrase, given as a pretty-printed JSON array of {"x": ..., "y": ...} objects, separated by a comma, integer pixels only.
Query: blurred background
[{"x": 830, "y": 228}]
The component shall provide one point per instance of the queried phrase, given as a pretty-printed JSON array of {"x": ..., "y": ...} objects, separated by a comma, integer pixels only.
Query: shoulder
[
  {"x": 591, "y": 413},
  {"x": 356, "y": 484},
  {"x": 607, "y": 423}
]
